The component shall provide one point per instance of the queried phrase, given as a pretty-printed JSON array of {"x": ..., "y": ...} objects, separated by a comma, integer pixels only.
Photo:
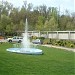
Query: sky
[{"x": 63, "y": 4}]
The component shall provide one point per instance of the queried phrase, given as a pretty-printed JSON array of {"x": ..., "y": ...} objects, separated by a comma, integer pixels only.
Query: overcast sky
[{"x": 63, "y": 4}]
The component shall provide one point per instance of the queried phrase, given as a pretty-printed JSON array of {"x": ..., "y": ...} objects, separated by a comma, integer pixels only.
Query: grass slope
[{"x": 52, "y": 62}]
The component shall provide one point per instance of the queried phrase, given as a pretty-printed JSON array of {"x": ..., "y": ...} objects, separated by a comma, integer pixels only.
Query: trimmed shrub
[
  {"x": 56, "y": 43},
  {"x": 72, "y": 45},
  {"x": 34, "y": 37},
  {"x": 46, "y": 41}
]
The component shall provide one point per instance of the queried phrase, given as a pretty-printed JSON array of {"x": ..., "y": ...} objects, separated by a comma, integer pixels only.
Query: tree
[
  {"x": 40, "y": 23},
  {"x": 39, "y": 18},
  {"x": 30, "y": 5},
  {"x": 6, "y": 8},
  {"x": 21, "y": 26},
  {"x": 43, "y": 10},
  {"x": 14, "y": 15},
  {"x": 5, "y": 20},
  {"x": 1, "y": 27},
  {"x": 52, "y": 24},
  {"x": 46, "y": 27},
  {"x": 70, "y": 26}
]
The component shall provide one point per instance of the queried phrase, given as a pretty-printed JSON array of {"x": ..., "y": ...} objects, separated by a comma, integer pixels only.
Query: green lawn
[{"x": 52, "y": 62}]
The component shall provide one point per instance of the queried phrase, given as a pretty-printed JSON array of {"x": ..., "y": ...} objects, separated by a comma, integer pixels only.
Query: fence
[{"x": 67, "y": 35}]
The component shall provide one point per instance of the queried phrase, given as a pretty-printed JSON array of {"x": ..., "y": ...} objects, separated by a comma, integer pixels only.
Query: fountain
[{"x": 25, "y": 45}]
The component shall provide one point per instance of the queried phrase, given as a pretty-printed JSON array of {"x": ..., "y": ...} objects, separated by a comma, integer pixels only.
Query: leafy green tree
[
  {"x": 40, "y": 24},
  {"x": 6, "y": 8},
  {"x": 46, "y": 27},
  {"x": 70, "y": 26},
  {"x": 21, "y": 26},
  {"x": 41, "y": 18},
  {"x": 30, "y": 5},
  {"x": 5, "y": 20},
  {"x": 63, "y": 21},
  {"x": 1, "y": 27},
  {"x": 52, "y": 24},
  {"x": 14, "y": 15},
  {"x": 43, "y": 10}
]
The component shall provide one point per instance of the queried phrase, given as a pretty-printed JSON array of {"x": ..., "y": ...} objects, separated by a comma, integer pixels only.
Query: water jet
[{"x": 25, "y": 45}]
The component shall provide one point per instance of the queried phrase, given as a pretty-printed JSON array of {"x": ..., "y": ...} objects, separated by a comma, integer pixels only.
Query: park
[{"x": 36, "y": 40}]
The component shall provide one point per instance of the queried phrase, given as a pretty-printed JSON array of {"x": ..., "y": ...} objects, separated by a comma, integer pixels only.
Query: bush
[
  {"x": 34, "y": 37},
  {"x": 42, "y": 38},
  {"x": 65, "y": 43},
  {"x": 60, "y": 42},
  {"x": 72, "y": 45},
  {"x": 56, "y": 43},
  {"x": 46, "y": 41}
]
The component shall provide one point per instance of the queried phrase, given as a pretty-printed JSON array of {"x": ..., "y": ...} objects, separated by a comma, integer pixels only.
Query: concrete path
[{"x": 69, "y": 49}]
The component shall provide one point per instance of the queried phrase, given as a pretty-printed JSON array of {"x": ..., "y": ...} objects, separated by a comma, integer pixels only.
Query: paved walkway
[{"x": 69, "y": 49}]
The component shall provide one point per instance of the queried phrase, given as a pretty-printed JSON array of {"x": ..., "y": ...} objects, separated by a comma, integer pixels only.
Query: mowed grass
[{"x": 52, "y": 62}]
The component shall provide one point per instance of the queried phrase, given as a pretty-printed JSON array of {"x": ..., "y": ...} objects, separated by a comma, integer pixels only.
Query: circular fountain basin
[{"x": 25, "y": 50}]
